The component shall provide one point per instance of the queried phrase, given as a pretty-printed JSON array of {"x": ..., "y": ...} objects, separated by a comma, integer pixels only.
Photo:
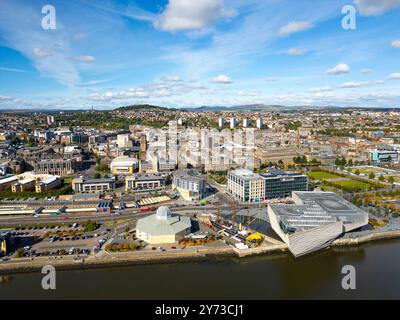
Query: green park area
[
  {"x": 321, "y": 175},
  {"x": 351, "y": 185}
]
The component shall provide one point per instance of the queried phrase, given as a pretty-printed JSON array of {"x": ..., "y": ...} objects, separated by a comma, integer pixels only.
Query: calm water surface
[{"x": 267, "y": 277}]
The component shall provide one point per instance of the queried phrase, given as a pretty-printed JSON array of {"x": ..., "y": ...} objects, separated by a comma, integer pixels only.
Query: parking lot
[{"x": 60, "y": 240}]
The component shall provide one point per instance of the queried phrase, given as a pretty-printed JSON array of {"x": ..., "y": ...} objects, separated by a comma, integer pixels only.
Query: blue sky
[{"x": 189, "y": 53}]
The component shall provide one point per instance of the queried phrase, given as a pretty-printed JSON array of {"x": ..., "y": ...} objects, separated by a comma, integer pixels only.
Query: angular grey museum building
[{"x": 314, "y": 220}]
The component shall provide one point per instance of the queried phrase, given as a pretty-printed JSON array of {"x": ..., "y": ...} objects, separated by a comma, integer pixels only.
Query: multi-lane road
[{"x": 125, "y": 215}]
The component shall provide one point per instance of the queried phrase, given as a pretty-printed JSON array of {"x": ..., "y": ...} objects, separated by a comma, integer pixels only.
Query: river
[{"x": 276, "y": 276}]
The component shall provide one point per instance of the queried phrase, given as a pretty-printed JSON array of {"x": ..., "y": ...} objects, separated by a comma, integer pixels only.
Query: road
[{"x": 128, "y": 214}]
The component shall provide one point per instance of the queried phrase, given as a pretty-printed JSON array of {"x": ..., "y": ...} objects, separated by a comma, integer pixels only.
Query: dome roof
[{"x": 163, "y": 213}]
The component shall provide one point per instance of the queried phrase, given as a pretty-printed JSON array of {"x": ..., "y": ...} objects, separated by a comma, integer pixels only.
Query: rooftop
[
  {"x": 163, "y": 223},
  {"x": 313, "y": 209}
]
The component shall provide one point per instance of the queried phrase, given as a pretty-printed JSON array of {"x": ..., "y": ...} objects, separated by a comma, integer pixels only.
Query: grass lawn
[
  {"x": 320, "y": 175},
  {"x": 352, "y": 184},
  {"x": 326, "y": 187},
  {"x": 396, "y": 178},
  {"x": 368, "y": 170}
]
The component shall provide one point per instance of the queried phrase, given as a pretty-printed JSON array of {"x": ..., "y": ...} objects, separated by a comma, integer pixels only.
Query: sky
[{"x": 190, "y": 53}]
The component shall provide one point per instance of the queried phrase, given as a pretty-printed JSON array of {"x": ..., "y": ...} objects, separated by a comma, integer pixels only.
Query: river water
[{"x": 268, "y": 277}]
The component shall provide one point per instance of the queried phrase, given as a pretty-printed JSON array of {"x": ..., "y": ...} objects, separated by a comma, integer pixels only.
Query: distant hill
[
  {"x": 147, "y": 107},
  {"x": 251, "y": 107}
]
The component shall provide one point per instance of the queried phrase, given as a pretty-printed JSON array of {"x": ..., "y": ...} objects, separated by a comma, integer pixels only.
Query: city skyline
[{"x": 181, "y": 53}]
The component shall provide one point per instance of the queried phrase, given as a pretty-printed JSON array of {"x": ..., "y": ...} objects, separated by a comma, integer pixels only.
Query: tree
[
  {"x": 357, "y": 172},
  {"x": 372, "y": 176},
  {"x": 337, "y": 162},
  {"x": 381, "y": 178},
  {"x": 391, "y": 180},
  {"x": 350, "y": 163}
]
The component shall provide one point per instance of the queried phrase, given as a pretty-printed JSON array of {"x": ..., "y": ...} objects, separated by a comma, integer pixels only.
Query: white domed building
[{"x": 163, "y": 227}]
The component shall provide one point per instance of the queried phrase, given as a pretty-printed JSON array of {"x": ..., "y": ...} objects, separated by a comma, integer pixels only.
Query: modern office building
[
  {"x": 314, "y": 220},
  {"x": 280, "y": 184},
  {"x": 384, "y": 154},
  {"x": 190, "y": 186},
  {"x": 163, "y": 227},
  {"x": 124, "y": 165},
  {"x": 247, "y": 186},
  {"x": 144, "y": 183},
  {"x": 93, "y": 185}
]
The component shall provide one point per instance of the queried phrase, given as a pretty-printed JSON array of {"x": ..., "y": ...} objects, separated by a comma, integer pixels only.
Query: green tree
[{"x": 371, "y": 175}]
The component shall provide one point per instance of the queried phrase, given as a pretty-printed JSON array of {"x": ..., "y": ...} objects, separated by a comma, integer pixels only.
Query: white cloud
[
  {"x": 353, "y": 84},
  {"x": 339, "y": 69},
  {"x": 294, "y": 27},
  {"x": 41, "y": 53},
  {"x": 186, "y": 15},
  {"x": 366, "y": 71},
  {"x": 395, "y": 75},
  {"x": 272, "y": 79},
  {"x": 322, "y": 89},
  {"x": 253, "y": 93},
  {"x": 5, "y": 98},
  {"x": 376, "y": 7},
  {"x": 171, "y": 79},
  {"x": 224, "y": 79},
  {"x": 396, "y": 44},
  {"x": 11, "y": 69},
  {"x": 295, "y": 52},
  {"x": 86, "y": 58},
  {"x": 49, "y": 52}
]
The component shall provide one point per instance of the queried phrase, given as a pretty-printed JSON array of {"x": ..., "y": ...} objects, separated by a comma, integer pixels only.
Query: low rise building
[
  {"x": 124, "y": 165},
  {"x": 61, "y": 167},
  {"x": 163, "y": 227},
  {"x": 144, "y": 183},
  {"x": 48, "y": 183},
  {"x": 384, "y": 154},
  {"x": 29, "y": 181},
  {"x": 190, "y": 187},
  {"x": 93, "y": 185}
]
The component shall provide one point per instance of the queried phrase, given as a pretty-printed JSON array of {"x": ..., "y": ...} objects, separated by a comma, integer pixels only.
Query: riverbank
[{"x": 24, "y": 265}]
